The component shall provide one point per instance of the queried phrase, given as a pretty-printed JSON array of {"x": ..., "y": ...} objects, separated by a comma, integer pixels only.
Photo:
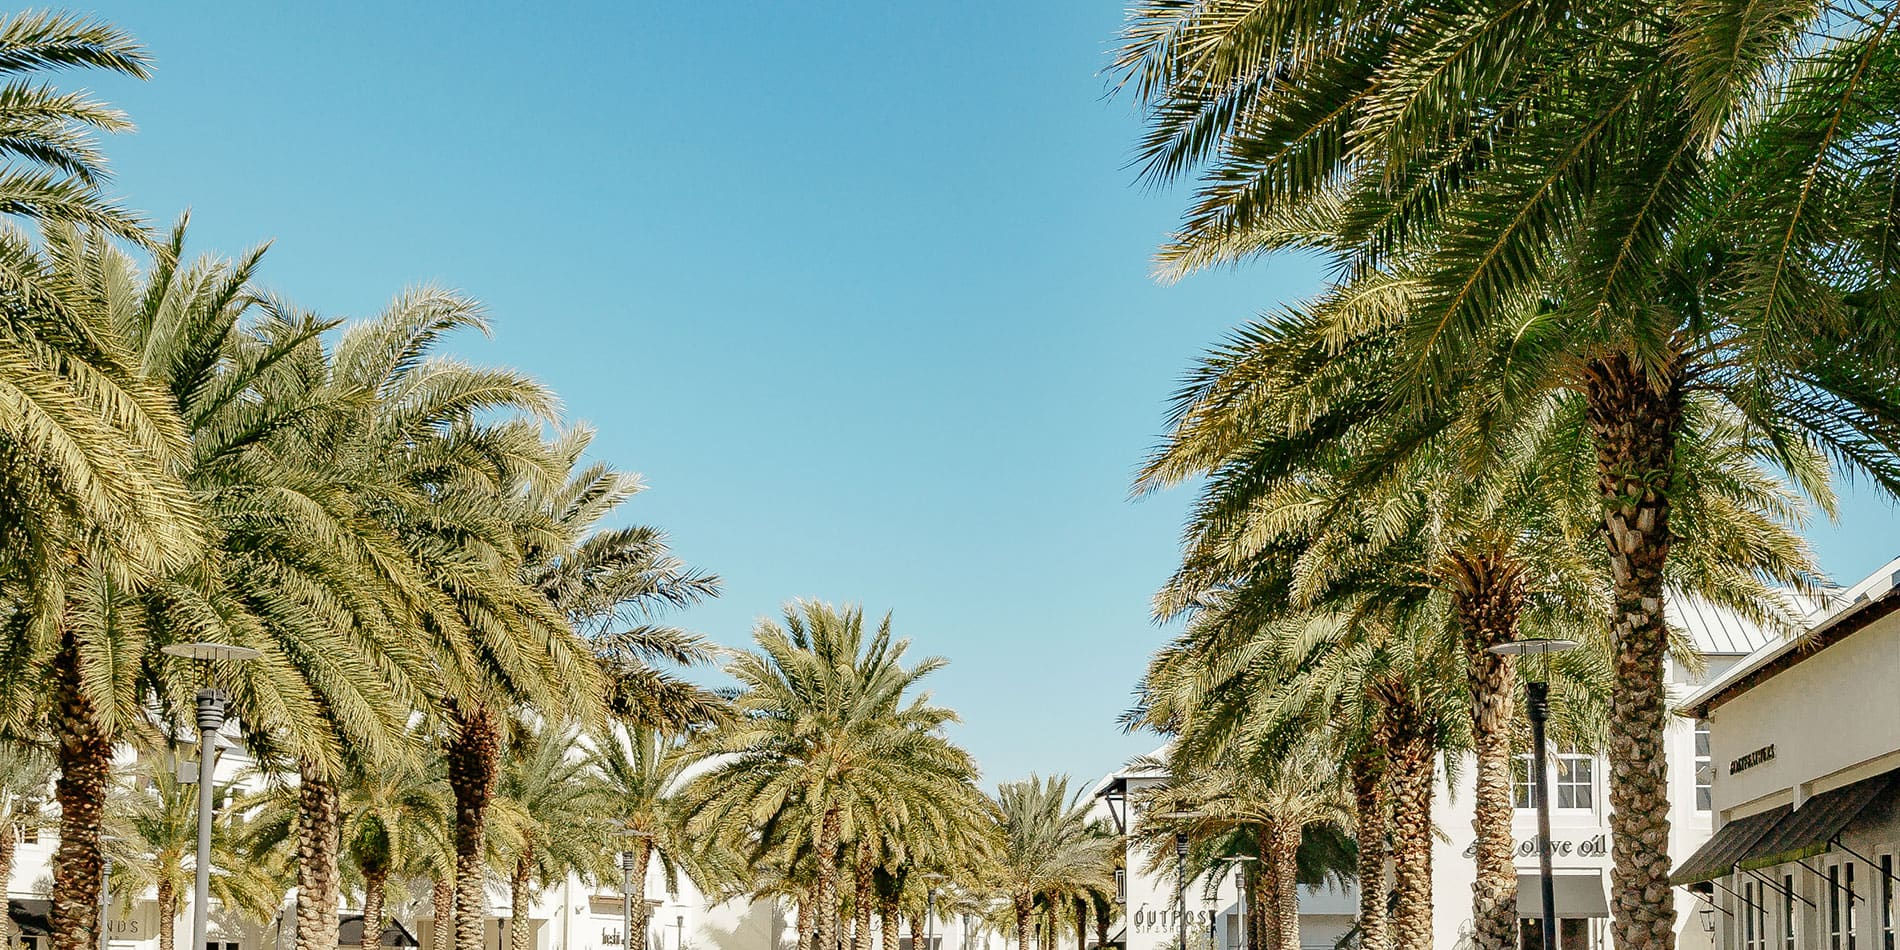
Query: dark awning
[
  {"x": 1577, "y": 895},
  {"x": 349, "y": 933},
  {"x": 1810, "y": 829},
  {"x": 1731, "y": 844},
  {"x": 31, "y": 918}
]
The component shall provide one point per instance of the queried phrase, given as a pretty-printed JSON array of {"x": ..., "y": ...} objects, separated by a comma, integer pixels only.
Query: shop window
[
  {"x": 1840, "y": 906},
  {"x": 1576, "y": 781},
  {"x": 1704, "y": 768},
  {"x": 1787, "y": 912},
  {"x": 1886, "y": 902},
  {"x": 1573, "y": 933}
]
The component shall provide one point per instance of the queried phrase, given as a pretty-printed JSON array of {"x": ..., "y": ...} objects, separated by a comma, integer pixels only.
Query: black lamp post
[
  {"x": 212, "y": 707},
  {"x": 1537, "y": 705},
  {"x": 1180, "y": 857}
]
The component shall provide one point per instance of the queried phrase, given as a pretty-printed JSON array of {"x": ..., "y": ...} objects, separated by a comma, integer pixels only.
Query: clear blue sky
[{"x": 861, "y": 288}]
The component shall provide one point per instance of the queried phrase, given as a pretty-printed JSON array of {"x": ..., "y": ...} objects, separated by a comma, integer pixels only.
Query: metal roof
[{"x": 1730, "y": 844}]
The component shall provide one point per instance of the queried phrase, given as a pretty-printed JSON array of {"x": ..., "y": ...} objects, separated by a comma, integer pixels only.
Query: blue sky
[{"x": 861, "y": 288}]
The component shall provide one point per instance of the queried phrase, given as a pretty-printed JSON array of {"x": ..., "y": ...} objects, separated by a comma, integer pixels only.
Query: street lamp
[
  {"x": 680, "y": 922},
  {"x": 211, "y": 712},
  {"x": 1239, "y": 861},
  {"x": 1537, "y": 704},
  {"x": 1180, "y": 857},
  {"x": 931, "y": 881}
]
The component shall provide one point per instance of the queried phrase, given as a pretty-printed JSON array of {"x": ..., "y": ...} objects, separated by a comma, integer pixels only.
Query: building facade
[
  {"x": 1580, "y": 833},
  {"x": 1805, "y": 738}
]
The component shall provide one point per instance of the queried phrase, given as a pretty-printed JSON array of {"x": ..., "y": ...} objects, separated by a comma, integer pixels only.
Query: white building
[
  {"x": 1805, "y": 737},
  {"x": 1580, "y": 833}
]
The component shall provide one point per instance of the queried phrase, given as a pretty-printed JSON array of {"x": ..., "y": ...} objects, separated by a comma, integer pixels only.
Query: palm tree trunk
[
  {"x": 642, "y": 914},
  {"x": 1024, "y": 906},
  {"x": 1101, "y": 925},
  {"x": 167, "y": 914},
  {"x": 866, "y": 874},
  {"x": 471, "y": 759},
  {"x": 1413, "y": 775},
  {"x": 319, "y": 817},
  {"x": 807, "y": 923},
  {"x": 1256, "y": 906},
  {"x": 1283, "y": 850},
  {"x": 1081, "y": 924},
  {"x": 889, "y": 927},
  {"x": 825, "y": 895},
  {"x": 85, "y": 773},
  {"x": 1370, "y": 828},
  {"x": 520, "y": 929},
  {"x": 442, "y": 898},
  {"x": 373, "y": 884},
  {"x": 1635, "y": 427},
  {"x": 1263, "y": 908},
  {"x": 1487, "y": 596}
]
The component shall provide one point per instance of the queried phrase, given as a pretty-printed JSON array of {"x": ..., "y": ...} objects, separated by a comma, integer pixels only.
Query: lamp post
[
  {"x": 1239, "y": 861},
  {"x": 1180, "y": 858},
  {"x": 1537, "y": 705},
  {"x": 679, "y": 920},
  {"x": 931, "y": 881},
  {"x": 212, "y": 707}
]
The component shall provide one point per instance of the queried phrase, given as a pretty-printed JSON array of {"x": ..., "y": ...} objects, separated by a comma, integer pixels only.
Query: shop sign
[
  {"x": 1764, "y": 754},
  {"x": 1592, "y": 847},
  {"x": 1168, "y": 921}
]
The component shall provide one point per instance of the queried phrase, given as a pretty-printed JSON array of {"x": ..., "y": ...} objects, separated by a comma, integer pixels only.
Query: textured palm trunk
[
  {"x": 1371, "y": 830},
  {"x": 442, "y": 928},
  {"x": 1256, "y": 906},
  {"x": 520, "y": 928},
  {"x": 642, "y": 914},
  {"x": 319, "y": 824},
  {"x": 1283, "y": 852},
  {"x": 807, "y": 923},
  {"x": 862, "y": 899},
  {"x": 1487, "y": 597},
  {"x": 1081, "y": 925},
  {"x": 471, "y": 758},
  {"x": 1635, "y": 427},
  {"x": 1413, "y": 774},
  {"x": 373, "y": 884},
  {"x": 917, "y": 932},
  {"x": 825, "y": 895},
  {"x": 1024, "y": 907},
  {"x": 167, "y": 914},
  {"x": 85, "y": 773},
  {"x": 889, "y": 926},
  {"x": 1101, "y": 926}
]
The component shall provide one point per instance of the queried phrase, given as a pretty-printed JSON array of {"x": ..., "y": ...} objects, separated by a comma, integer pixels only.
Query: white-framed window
[
  {"x": 1886, "y": 902},
  {"x": 1121, "y": 885},
  {"x": 1704, "y": 768},
  {"x": 1787, "y": 912},
  {"x": 1753, "y": 937},
  {"x": 1840, "y": 906},
  {"x": 1576, "y": 781},
  {"x": 1523, "y": 790}
]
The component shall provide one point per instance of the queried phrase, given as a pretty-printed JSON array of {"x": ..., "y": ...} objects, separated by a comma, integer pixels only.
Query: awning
[
  {"x": 1810, "y": 829},
  {"x": 1578, "y": 894},
  {"x": 31, "y": 918},
  {"x": 349, "y": 932},
  {"x": 1731, "y": 844}
]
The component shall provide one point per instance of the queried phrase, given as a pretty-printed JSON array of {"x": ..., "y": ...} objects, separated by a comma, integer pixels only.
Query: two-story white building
[{"x": 1805, "y": 740}]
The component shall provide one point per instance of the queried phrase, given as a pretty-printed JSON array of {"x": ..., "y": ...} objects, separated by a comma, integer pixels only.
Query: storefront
[{"x": 1806, "y": 739}]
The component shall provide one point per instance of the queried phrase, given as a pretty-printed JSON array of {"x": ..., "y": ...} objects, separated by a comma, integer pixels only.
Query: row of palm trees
[{"x": 1613, "y": 301}]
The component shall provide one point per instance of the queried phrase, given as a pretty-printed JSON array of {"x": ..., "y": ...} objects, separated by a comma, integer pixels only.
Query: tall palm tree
[
  {"x": 394, "y": 826},
  {"x": 640, "y": 772},
  {"x": 828, "y": 730},
  {"x": 1046, "y": 845},
  {"x": 549, "y": 808},
  {"x": 1638, "y": 205}
]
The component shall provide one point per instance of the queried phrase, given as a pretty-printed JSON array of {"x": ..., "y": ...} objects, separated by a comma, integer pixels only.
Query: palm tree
[
  {"x": 827, "y": 732},
  {"x": 1046, "y": 846},
  {"x": 26, "y": 776},
  {"x": 394, "y": 826},
  {"x": 1639, "y": 205},
  {"x": 549, "y": 808},
  {"x": 640, "y": 771},
  {"x": 153, "y": 832}
]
